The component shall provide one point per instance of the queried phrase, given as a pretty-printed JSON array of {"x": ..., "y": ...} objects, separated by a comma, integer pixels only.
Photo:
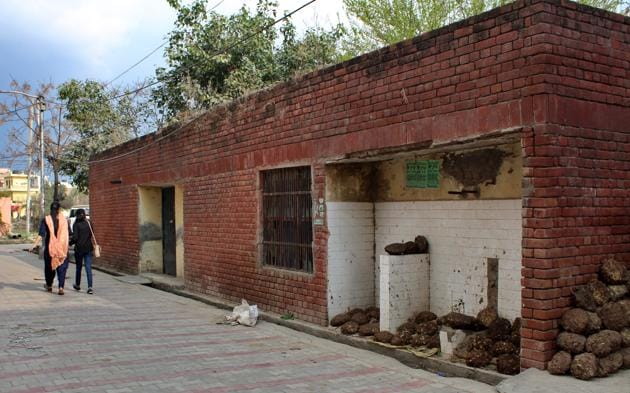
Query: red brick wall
[
  {"x": 114, "y": 214},
  {"x": 577, "y": 167},
  {"x": 501, "y": 70}
]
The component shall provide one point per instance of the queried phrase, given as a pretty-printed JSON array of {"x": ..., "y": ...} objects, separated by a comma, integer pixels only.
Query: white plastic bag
[{"x": 244, "y": 314}]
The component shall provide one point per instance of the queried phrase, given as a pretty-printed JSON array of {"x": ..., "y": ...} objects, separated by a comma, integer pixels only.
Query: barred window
[{"x": 287, "y": 219}]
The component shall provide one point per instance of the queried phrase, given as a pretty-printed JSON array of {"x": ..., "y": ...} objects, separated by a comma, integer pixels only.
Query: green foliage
[
  {"x": 377, "y": 23},
  {"x": 620, "y": 6},
  {"x": 76, "y": 197},
  {"x": 317, "y": 47},
  {"x": 101, "y": 121},
  {"x": 62, "y": 195},
  {"x": 63, "y": 198},
  {"x": 287, "y": 316},
  {"x": 214, "y": 58},
  {"x": 92, "y": 114}
]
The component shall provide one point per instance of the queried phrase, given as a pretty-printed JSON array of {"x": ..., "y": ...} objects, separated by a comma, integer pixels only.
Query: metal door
[{"x": 168, "y": 230}]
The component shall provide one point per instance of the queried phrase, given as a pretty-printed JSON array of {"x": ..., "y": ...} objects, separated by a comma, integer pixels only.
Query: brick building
[{"x": 503, "y": 138}]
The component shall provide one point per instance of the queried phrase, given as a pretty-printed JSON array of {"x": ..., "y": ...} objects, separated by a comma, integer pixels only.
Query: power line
[
  {"x": 150, "y": 53},
  {"x": 145, "y": 86},
  {"x": 135, "y": 64},
  {"x": 216, "y": 53},
  {"x": 16, "y": 110},
  {"x": 58, "y": 104},
  {"x": 224, "y": 50},
  {"x": 117, "y": 76},
  {"x": 150, "y": 143},
  {"x": 286, "y": 16}
]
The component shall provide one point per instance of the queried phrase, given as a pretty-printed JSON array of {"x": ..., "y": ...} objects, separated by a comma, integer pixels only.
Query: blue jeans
[
  {"x": 79, "y": 258},
  {"x": 61, "y": 272}
]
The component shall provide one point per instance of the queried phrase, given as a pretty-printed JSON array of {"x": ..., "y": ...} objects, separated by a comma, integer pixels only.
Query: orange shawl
[{"x": 58, "y": 244}]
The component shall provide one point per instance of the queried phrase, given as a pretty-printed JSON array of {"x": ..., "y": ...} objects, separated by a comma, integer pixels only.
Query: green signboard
[{"x": 423, "y": 174}]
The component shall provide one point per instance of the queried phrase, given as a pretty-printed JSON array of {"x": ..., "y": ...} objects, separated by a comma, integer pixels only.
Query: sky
[
  {"x": 51, "y": 41},
  {"x": 54, "y": 40}
]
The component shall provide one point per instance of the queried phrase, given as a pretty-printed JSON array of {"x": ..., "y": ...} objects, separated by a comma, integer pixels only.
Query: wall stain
[
  {"x": 270, "y": 109},
  {"x": 351, "y": 182},
  {"x": 150, "y": 231},
  {"x": 475, "y": 167},
  {"x": 495, "y": 171}
]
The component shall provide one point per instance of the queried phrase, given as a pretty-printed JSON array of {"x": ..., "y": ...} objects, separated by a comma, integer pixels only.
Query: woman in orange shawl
[{"x": 54, "y": 230}]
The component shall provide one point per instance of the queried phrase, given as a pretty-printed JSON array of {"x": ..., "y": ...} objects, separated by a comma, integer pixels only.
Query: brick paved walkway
[{"x": 131, "y": 338}]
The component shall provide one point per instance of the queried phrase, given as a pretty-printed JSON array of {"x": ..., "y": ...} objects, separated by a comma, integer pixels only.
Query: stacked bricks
[{"x": 507, "y": 69}]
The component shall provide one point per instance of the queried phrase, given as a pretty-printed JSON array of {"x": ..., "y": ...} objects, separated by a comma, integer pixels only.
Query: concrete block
[{"x": 404, "y": 288}]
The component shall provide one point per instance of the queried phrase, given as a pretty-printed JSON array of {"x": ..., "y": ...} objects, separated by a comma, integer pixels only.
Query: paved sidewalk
[
  {"x": 537, "y": 381},
  {"x": 132, "y": 338}
]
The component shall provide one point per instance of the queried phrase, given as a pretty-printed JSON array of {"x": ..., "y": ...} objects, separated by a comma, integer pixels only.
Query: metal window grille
[{"x": 287, "y": 218}]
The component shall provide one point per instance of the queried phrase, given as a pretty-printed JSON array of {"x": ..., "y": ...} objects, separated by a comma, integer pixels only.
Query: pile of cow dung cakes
[
  {"x": 487, "y": 336},
  {"x": 489, "y": 339},
  {"x": 595, "y": 341},
  {"x": 358, "y": 320},
  {"x": 421, "y": 330}
]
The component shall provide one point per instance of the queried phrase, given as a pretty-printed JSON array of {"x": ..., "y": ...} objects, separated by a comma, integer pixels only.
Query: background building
[{"x": 15, "y": 186}]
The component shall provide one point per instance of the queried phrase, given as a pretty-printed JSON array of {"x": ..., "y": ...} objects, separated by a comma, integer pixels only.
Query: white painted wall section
[
  {"x": 404, "y": 283},
  {"x": 461, "y": 235},
  {"x": 350, "y": 256},
  {"x": 150, "y": 219}
]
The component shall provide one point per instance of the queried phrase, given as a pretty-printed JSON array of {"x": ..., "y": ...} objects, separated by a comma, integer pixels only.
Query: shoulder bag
[{"x": 97, "y": 248}]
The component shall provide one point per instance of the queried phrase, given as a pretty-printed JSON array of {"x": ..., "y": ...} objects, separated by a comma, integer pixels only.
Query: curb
[
  {"x": 435, "y": 365},
  {"x": 105, "y": 270}
]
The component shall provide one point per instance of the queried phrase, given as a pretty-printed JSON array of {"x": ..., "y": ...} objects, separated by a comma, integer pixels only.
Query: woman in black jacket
[{"x": 82, "y": 240}]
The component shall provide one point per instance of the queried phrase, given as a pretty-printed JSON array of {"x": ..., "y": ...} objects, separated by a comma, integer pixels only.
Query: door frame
[{"x": 169, "y": 235}]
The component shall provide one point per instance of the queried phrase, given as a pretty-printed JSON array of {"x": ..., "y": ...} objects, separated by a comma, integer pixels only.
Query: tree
[
  {"x": 22, "y": 145},
  {"x": 377, "y": 23},
  {"x": 317, "y": 47},
  {"x": 58, "y": 140},
  {"x": 19, "y": 116},
  {"x": 212, "y": 58},
  {"x": 100, "y": 119}
]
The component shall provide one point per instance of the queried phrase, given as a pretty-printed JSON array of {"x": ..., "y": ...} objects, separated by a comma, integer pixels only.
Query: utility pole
[
  {"x": 41, "y": 107},
  {"x": 39, "y": 103},
  {"x": 31, "y": 117}
]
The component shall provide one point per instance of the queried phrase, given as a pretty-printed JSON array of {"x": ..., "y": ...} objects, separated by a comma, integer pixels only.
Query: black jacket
[{"x": 81, "y": 237}]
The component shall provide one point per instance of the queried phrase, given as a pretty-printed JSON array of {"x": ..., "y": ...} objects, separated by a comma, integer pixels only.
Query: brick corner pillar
[
  {"x": 543, "y": 298},
  {"x": 576, "y": 199}
]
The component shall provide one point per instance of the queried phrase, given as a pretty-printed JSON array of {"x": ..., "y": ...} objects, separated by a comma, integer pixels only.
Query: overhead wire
[
  {"x": 222, "y": 51},
  {"x": 225, "y": 49},
  {"x": 147, "y": 85},
  {"x": 51, "y": 102},
  {"x": 150, "y": 53},
  {"x": 135, "y": 64},
  {"x": 16, "y": 110}
]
